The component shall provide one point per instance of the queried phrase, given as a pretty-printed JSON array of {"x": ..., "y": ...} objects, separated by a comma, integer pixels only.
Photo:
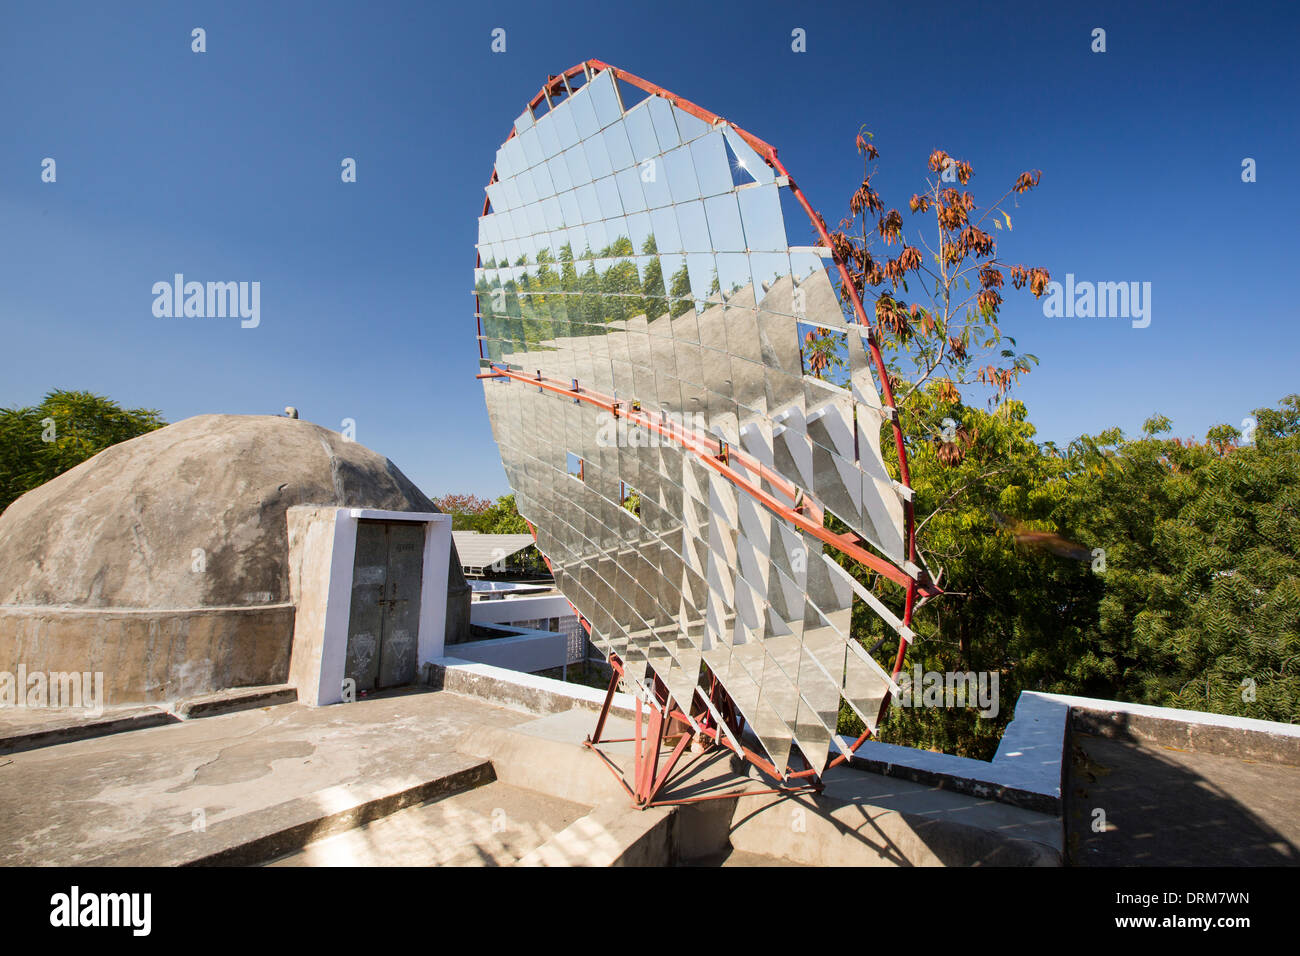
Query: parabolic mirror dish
[{"x": 642, "y": 314}]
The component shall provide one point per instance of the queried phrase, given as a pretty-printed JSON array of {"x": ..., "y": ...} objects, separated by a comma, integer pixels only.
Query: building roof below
[{"x": 478, "y": 551}]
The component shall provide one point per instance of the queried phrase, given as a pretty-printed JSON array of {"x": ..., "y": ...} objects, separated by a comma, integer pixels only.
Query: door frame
[{"x": 433, "y": 595}]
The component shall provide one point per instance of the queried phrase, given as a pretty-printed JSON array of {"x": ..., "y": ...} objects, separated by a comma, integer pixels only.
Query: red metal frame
[
  {"x": 710, "y": 451},
  {"x": 648, "y": 779}
]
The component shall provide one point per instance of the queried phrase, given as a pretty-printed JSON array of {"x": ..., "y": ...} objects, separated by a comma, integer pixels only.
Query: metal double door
[{"x": 384, "y": 622}]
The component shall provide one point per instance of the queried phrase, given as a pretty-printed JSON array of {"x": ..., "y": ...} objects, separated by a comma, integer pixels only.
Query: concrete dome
[
  {"x": 123, "y": 529},
  {"x": 163, "y": 563}
]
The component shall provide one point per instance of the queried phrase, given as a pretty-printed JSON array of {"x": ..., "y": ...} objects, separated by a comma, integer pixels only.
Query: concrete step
[
  {"x": 23, "y": 729},
  {"x": 234, "y": 699},
  {"x": 492, "y": 825},
  {"x": 261, "y": 835}
]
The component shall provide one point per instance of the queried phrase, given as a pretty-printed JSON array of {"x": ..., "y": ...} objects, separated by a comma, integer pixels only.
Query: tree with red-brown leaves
[
  {"x": 937, "y": 303},
  {"x": 467, "y": 511}
]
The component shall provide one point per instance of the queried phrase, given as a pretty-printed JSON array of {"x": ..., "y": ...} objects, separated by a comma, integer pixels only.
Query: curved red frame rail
[{"x": 850, "y": 545}]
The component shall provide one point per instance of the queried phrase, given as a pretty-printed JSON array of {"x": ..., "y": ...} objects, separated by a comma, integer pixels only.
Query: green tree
[
  {"x": 66, "y": 428},
  {"x": 467, "y": 511},
  {"x": 1201, "y": 542},
  {"x": 1151, "y": 570},
  {"x": 502, "y": 517},
  {"x": 984, "y": 497},
  {"x": 472, "y": 513}
]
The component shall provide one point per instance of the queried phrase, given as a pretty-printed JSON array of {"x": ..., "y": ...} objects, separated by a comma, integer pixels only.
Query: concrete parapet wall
[
  {"x": 1027, "y": 769},
  {"x": 1190, "y": 730},
  {"x": 507, "y": 688}
]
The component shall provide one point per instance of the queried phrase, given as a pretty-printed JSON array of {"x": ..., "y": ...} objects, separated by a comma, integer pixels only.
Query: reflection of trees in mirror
[
  {"x": 578, "y": 295},
  {"x": 630, "y": 498},
  {"x": 825, "y": 353}
]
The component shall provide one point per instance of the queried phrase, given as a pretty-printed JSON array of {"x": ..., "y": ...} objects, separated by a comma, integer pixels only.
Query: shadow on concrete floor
[{"x": 1167, "y": 807}]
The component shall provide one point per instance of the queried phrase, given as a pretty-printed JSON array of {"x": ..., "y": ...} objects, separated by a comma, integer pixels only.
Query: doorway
[{"x": 384, "y": 619}]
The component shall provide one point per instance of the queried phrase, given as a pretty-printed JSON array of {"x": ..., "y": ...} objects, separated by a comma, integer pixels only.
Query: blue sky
[{"x": 225, "y": 166}]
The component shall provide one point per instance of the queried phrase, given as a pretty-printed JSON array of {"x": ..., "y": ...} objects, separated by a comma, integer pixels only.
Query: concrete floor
[
  {"x": 172, "y": 793},
  {"x": 440, "y": 778},
  {"x": 1166, "y": 807},
  {"x": 856, "y": 820},
  {"x": 492, "y": 825}
]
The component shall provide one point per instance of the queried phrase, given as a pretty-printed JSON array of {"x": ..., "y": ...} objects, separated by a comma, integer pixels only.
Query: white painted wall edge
[
  {"x": 432, "y": 634},
  {"x": 338, "y": 610},
  {"x": 1028, "y": 759},
  {"x": 377, "y": 514}
]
